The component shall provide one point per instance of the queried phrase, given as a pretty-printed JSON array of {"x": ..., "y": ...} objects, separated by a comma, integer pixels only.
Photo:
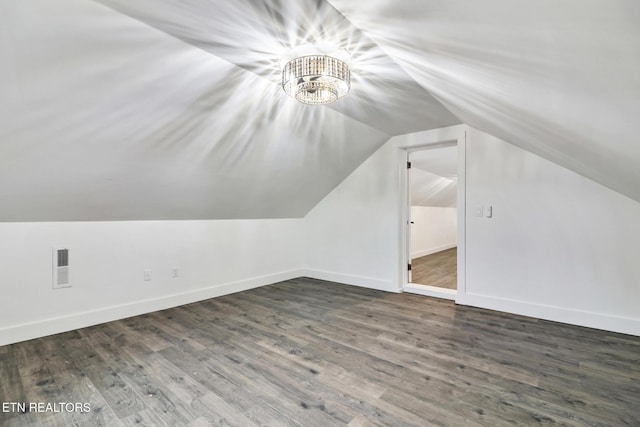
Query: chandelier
[{"x": 316, "y": 79}]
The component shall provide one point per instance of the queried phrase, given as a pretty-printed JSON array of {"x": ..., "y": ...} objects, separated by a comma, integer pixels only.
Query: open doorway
[{"x": 432, "y": 232}]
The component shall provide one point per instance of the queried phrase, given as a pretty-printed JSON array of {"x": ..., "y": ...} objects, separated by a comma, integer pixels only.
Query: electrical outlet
[
  {"x": 147, "y": 275},
  {"x": 175, "y": 272}
]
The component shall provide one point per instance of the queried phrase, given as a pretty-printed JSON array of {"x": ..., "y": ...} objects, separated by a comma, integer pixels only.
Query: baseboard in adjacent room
[
  {"x": 41, "y": 328},
  {"x": 430, "y": 251}
]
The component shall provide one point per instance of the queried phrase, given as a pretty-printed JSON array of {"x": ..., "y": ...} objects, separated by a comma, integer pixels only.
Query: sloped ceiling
[
  {"x": 174, "y": 110},
  {"x": 433, "y": 177},
  {"x": 167, "y": 109},
  {"x": 558, "y": 78}
]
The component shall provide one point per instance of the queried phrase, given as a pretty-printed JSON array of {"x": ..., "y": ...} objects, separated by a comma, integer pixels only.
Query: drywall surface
[
  {"x": 353, "y": 234},
  {"x": 432, "y": 230},
  {"x": 558, "y": 246},
  {"x": 107, "y": 260},
  {"x": 556, "y": 78},
  {"x": 433, "y": 178},
  {"x": 104, "y": 118}
]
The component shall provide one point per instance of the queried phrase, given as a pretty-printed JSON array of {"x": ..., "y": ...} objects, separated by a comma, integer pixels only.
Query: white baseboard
[
  {"x": 41, "y": 328},
  {"x": 624, "y": 325},
  {"x": 430, "y": 251},
  {"x": 350, "y": 279}
]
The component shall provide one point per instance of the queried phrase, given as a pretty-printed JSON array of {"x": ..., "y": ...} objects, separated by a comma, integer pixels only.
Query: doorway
[{"x": 432, "y": 220}]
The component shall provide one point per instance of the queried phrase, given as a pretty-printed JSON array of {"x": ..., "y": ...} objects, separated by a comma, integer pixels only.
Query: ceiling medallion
[{"x": 316, "y": 79}]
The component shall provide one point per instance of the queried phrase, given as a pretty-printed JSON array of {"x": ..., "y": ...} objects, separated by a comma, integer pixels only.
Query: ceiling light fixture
[{"x": 316, "y": 79}]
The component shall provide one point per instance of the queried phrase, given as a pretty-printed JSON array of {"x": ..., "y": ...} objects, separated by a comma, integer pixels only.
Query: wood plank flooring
[
  {"x": 438, "y": 269},
  {"x": 312, "y": 353}
]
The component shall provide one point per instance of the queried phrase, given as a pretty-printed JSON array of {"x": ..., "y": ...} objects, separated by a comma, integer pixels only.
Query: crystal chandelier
[{"x": 316, "y": 79}]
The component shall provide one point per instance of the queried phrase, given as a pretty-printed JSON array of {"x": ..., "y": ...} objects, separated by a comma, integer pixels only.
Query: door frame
[{"x": 457, "y": 137}]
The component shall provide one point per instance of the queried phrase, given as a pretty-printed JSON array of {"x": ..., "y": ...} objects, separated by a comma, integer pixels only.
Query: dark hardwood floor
[
  {"x": 313, "y": 353},
  {"x": 438, "y": 269}
]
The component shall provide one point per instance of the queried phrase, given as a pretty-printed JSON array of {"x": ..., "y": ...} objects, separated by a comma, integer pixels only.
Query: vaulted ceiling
[
  {"x": 558, "y": 78},
  {"x": 433, "y": 177},
  {"x": 167, "y": 109}
]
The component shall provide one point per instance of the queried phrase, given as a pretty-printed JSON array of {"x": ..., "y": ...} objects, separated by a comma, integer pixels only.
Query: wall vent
[{"x": 61, "y": 277}]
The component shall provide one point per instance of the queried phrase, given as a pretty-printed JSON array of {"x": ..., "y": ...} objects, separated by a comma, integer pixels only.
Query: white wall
[
  {"x": 559, "y": 246},
  {"x": 352, "y": 229},
  {"x": 107, "y": 262},
  {"x": 434, "y": 229},
  {"x": 354, "y": 234}
]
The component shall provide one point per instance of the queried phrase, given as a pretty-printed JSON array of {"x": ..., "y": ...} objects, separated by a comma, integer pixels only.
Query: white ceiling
[
  {"x": 558, "y": 78},
  {"x": 433, "y": 177},
  {"x": 167, "y": 109},
  {"x": 257, "y": 35}
]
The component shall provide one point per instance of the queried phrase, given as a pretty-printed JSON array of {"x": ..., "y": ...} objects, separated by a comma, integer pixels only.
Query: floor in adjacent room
[
  {"x": 313, "y": 353},
  {"x": 438, "y": 269}
]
